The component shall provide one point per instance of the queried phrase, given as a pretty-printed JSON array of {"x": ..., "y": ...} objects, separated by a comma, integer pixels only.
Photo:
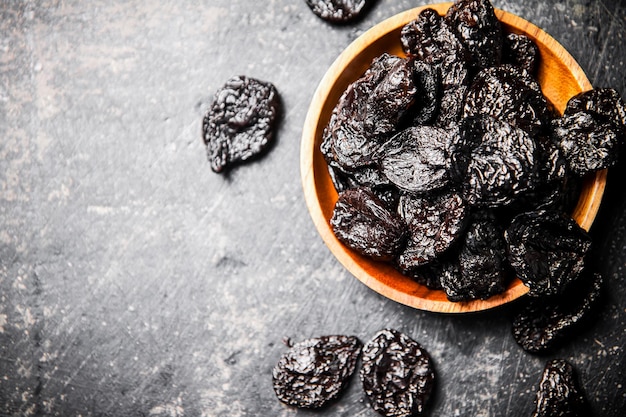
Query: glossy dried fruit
[
  {"x": 559, "y": 394},
  {"x": 543, "y": 322},
  {"x": 397, "y": 374},
  {"x": 338, "y": 11},
  {"x": 547, "y": 250},
  {"x": 604, "y": 104},
  {"x": 521, "y": 51},
  {"x": 426, "y": 103},
  {"x": 451, "y": 106},
  {"x": 362, "y": 221},
  {"x": 434, "y": 223},
  {"x": 587, "y": 144},
  {"x": 240, "y": 122},
  {"x": 476, "y": 25},
  {"x": 315, "y": 371}
]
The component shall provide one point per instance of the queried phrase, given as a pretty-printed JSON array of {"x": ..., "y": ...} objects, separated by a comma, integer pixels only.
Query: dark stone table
[{"x": 136, "y": 282}]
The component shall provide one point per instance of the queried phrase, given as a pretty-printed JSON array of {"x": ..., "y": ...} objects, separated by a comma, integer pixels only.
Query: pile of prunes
[{"x": 451, "y": 164}]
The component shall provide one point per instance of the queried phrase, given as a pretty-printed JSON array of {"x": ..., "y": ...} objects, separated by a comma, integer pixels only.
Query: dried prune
[
  {"x": 559, "y": 394},
  {"x": 605, "y": 104},
  {"x": 521, "y": 51},
  {"x": 477, "y": 26},
  {"x": 241, "y": 121},
  {"x": 434, "y": 222},
  {"x": 315, "y": 371},
  {"x": 362, "y": 221},
  {"x": 418, "y": 158},
  {"x": 427, "y": 96},
  {"x": 502, "y": 164},
  {"x": 482, "y": 261},
  {"x": 547, "y": 250},
  {"x": 543, "y": 322},
  {"x": 451, "y": 106},
  {"x": 587, "y": 144},
  {"x": 509, "y": 94},
  {"x": 338, "y": 11},
  {"x": 397, "y": 373}
]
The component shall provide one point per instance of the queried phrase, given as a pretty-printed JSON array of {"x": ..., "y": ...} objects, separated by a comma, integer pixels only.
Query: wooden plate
[{"x": 560, "y": 78}]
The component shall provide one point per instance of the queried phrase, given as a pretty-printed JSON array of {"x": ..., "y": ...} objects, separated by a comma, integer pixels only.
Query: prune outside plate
[{"x": 560, "y": 78}]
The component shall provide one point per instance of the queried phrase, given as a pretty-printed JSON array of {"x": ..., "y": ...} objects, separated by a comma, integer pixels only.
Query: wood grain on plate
[{"x": 560, "y": 78}]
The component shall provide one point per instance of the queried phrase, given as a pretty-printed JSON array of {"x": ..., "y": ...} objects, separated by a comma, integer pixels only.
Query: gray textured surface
[{"x": 134, "y": 281}]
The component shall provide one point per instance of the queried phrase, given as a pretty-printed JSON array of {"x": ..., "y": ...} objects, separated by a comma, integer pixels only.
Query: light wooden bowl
[{"x": 560, "y": 78}]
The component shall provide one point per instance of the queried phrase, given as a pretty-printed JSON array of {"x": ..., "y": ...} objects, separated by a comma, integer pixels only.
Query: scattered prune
[
  {"x": 362, "y": 221},
  {"x": 434, "y": 223},
  {"x": 418, "y": 158},
  {"x": 521, "y": 51},
  {"x": 559, "y": 394},
  {"x": 477, "y": 26},
  {"x": 502, "y": 164},
  {"x": 587, "y": 144},
  {"x": 543, "y": 322},
  {"x": 338, "y": 11},
  {"x": 547, "y": 250},
  {"x": 605, "y": 104},
  {"x": 240, "y": 122},
  {"x": 482, "y": 268},
  {"x": 397, "y": 374},
  {"x": 315, "y": 371},
  {"x": 509, "y": 94}
]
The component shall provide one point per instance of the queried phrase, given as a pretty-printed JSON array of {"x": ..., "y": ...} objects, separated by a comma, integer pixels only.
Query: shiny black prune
[
  {"x": 510, "y": 94},
  {"x": 559, "y": 394},
  {"x": 241, "y": 121},
  {"x": 418, "y": 158},
  {"x": 367, "y": 176},
  {"x": 315, "y": 371},
  {"x": 521, "y": 51},
  {"x": 482, "y": 261},
  {"x": 451, "y": 106},
  {"x": 501, "y": 164},
  {"x": 543, "y": 322},
  {"x": 476, "y": 25},
  {"x": 587, "y": 144},
  {"x": 547, "y": 250},
  {"x": 364, "y": 223},
  {"x": 434, "y": 223},
  {"x": 397, "y": 373},
  {"x": 426, "y": 103},
  {"x": 339, "y": 11},
  {"x": 605, "y": 104}
]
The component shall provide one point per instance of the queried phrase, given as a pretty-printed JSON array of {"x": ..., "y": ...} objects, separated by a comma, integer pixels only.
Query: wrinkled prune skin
[
  {"x": 434, "y": 223},
  {"x": 418, "y": 159},
  {"x": 363, "y": 222},
  {"x": 559, "y": 394},
  {"x": 510, "y": 94},
  {"x": 451, "y": 106},
  {"x": 476, "y": 25},
  {"x": 397, "y": 374},
  {"x": 367, "y": 176},
  {"x": 521, "y": 51},
  {"x": 241, "y": 121},
  {"x": 605, "y": 104},
  {"x": 426, "y": 103},
  {"x": 587, "y": 144},
  {"x": 501, "y": 164},
  {"x": 544, "y": 322},
  {"x": 315, "y": 371},
  {"x": 347, "y": 142},
  {"x": 547, "y": 250},
  {"x": 482, "y": 261},
  {"x": 338, "y": 11}
]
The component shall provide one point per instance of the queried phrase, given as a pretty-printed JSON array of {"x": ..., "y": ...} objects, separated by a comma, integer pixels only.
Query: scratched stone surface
[{"x": 136, "y": 282}]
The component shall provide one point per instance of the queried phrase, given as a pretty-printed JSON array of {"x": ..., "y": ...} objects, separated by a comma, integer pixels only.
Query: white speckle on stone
[
  {"x": 3, "y": 322},
  {"x": 172, "y": 409}
]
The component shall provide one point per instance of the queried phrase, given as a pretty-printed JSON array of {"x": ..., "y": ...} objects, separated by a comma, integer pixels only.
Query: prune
[
  {"x": 338, "y": 11},
  {"x": 347, "y": 141},
  {"x": 418, "y": 158},
  {"x": 397, "y": 374},
  {"x": 428, "y": 275},
  {"x": 427, "y": 96},
  {"x": 477, "y": 26},
  {"x": 451, "y": 106},
  {"x": 559, "y": 394},
  {"x": 482, "y": 261},
  {"x": 434, "y": 222},
  {"x": 543, "y": 322},
  {"x": 368, "y": 176},
  {"x": 502, "y": 164},
  {"x": 587, "y": 144},
  {"x": 241, "y": 121},
  {"x": 605, "y": 104},
  {"x": 521, "y": 51},
  {"x": 362, "y": 221},
  {"x": 509, "y": 94},
  {"x": 315, "y": 371},
  {"x": 547, "y": 250}
]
